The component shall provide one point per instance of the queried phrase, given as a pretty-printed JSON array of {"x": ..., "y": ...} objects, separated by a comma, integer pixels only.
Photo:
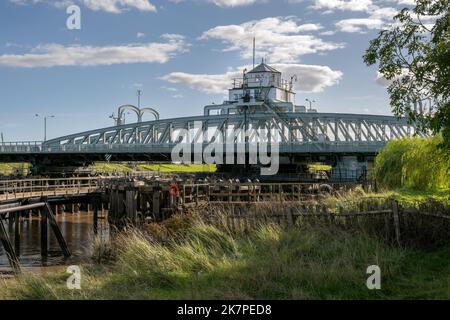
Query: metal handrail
[
  {"x": 21, "y": 143},
  {"x": 54, "y": 185}
]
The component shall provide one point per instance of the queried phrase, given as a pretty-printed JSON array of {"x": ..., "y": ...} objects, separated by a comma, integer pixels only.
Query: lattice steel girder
[
  {"x": 301, "y": 127},
  {"x": 290, "y": 129}
]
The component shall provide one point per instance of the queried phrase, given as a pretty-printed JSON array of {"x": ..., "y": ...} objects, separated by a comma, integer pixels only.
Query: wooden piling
[
  {"x": 10, "y": 253},
  {"x": 95, "y": 221},
  {"x": 44, "y": 233},
  {"x": 17, "y": 233},
  {"x": 56, "y": 231},
  {"x": 396, "y": 220},
  {"x": 10, "y": 222}
]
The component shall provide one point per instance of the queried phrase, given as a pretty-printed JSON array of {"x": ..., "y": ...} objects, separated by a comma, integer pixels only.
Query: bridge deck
[
  {"x": 293, "y": 132},
  {"x": 32, "y": 188}
]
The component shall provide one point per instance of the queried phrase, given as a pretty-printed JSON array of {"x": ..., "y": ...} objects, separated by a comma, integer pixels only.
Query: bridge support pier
[{"x": 350, "y": 168}]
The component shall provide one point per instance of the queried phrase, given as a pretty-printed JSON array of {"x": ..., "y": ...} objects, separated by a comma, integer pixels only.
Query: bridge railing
[
  {"x": 21, "y": 147},
  {"x": 21, "y": 143},
  {"x": 328, "y": 146},
  {"x": 12, "y": 189}
]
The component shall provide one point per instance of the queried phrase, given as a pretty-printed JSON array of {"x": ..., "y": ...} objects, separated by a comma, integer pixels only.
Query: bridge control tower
[{"x": 263, "y": 90}]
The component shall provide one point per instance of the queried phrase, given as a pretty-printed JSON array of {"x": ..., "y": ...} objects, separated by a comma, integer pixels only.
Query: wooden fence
[{"x": 425, "y": 224}]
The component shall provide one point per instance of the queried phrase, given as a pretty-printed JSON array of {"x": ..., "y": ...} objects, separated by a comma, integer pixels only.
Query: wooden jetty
[
  {"x": 132, "y": 202},
  {"x": 129, "y": 200}
]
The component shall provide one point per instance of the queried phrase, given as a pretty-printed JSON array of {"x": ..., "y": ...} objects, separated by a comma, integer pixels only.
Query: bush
[{"x": 416, "y": 163}]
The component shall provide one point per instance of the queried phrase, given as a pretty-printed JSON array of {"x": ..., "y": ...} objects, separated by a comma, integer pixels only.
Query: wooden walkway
[
  {"x": 252, "y": 192},
  {"x": 32, "y": 188}
]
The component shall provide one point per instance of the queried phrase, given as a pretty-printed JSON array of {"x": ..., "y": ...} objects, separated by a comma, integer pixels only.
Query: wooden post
[
  {"x": 10, "y": 222},
  {"x": 386, "y": 226},
  {"x": 290, "y": 217},
  {"x": 396, "y": 220},
  {"x": 44, "y": 233},
  {"x": 55, "y": 211},
  {"x": 10, "y": 253},
  {"x": 96, "y": 217},
  {"x": 55, "y": 228},
  {"x": 17, "y": 233}
]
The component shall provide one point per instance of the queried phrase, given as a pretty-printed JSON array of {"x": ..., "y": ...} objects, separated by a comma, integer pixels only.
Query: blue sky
[{"x": 181, "y": 53}]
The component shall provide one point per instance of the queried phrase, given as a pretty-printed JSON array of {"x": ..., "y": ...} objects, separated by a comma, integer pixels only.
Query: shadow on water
[{"x": 76, "y": 228}]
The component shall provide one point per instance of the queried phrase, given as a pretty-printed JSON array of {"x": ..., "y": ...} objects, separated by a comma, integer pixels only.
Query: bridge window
[{"x": 214, "y": 112}]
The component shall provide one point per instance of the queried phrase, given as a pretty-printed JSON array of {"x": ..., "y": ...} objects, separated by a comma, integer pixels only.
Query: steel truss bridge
[{"x": 296, "y": 133}]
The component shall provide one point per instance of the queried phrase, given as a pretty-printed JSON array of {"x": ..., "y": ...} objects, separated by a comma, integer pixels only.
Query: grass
[
  {"x": 118, "y": 167},
  {"x": 408, "y": 195},
  {"x": 169, "y": 168},
  {"x": 10, "y": 168},
  {"x": 314, "y": 167},
  {"x": 210, "y": 262},
  {"x": 104, "y": 167}
]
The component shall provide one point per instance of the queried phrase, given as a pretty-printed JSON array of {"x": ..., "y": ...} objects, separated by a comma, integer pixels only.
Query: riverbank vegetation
[
  {"x": 192, "y": 257},
  {"x": 14, "y": 168},
  {"x": 186, "y": 257},
  {"x": 123, "y": 167},
  {"x": 416, "y": 163}
]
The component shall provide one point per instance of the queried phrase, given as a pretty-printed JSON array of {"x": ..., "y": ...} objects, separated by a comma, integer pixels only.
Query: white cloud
[
  {"x": 405, "y": 2},
  {"x": 53, "y": 55},
  {"x": 228, "y": 3},
  {"x": 235, "y": 3},
  {"x": 111, "y": 6},
  {"x": 278, "y": 39},
  {"x": 359, "y": 25},
  {"x": 344, "y": 5},
  {"x": 378, "y": 18},
  {"x": 140, "y": 35},
  {"x": 116, "y": 6},
  {"x": 382, "y": 81},
  {"x": 311, "y": 78},
  {"x": 171, "y": 89},
  {"x": 378, "y": 15}
]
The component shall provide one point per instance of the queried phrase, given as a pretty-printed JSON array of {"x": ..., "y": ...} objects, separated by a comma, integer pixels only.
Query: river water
[{"x": 76, "y": 228}]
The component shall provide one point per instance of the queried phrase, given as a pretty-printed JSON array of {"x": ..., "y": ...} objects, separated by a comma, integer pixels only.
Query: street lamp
[
  {"x": 139, "y": 94},
  {"x": 45, "y": 124},
  {"x": 125, "y": 117},
  {"x": 310, "y": 103}
]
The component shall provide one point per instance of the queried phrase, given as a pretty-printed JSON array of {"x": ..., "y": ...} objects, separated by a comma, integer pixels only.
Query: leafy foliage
[
  {"x": 414, "y": 54},
  {"x": 416, "y": 163}
]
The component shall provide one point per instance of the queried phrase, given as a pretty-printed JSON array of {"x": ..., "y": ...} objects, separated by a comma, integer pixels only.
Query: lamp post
[
  {"x": 310, "y": 103},
  {"x": 139, "y": 94},
  {"x": 45, "y": 124},
  {"x": 125, "y": 117}
]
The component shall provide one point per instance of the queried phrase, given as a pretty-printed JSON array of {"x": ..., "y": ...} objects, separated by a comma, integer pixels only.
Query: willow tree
[
  {"x": 414, "y": 163},
  {"x": 414, "y": 55}
]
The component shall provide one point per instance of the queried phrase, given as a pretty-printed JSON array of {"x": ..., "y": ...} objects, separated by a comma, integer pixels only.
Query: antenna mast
[{"x": 254, "y": 51}]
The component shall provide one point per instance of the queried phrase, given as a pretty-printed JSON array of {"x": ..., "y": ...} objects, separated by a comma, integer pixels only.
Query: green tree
[
  {"x": 414, "y": 163},
  {"x": 414, "y": 54}
]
